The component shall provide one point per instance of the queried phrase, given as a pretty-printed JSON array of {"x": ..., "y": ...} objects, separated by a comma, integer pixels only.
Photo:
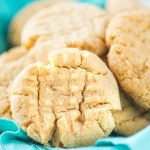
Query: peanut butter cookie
[
  {"x": 23, "y": 16},
  {"x": 66, "y": 100},
  {"x": 128, "y": 37},
  {"x": 115, "y": 7},
  {"x": 76, "y": 25},
  {"x": 130, "y": 119},
  {"x": 9, "y": 66},
  {"x": 13, "y": 61}
]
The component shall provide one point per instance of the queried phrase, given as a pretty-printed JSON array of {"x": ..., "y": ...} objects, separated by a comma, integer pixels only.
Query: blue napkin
[
  {"x": 100, "y": 3},
  {"x": 13, "y": 138}
]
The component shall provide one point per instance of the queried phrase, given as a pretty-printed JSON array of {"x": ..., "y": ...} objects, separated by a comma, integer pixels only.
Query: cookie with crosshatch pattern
[{"x": 66, "y": 100}]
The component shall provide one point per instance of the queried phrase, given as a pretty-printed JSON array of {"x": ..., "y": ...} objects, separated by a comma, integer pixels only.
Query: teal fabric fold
[
  {"x": 100, "y": 3},
  {"x": 13, "y": 138}
]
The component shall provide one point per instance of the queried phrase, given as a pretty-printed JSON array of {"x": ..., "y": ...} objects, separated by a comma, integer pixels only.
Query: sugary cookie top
[
  {"x": 129, "y": 30},
  {"x": 67, "y": 101},
  {"x": 114, "y": 7},
  {"x": 11, "y": 60},
  {"x": 9, "y": 66},
  {"x": 128, "y": 37},
  {"x": 77, "y": 25},
  {"x": 12, "y": 55},
  {"x": 24, "y": 15},
  {"x": 131, "y": 118}
]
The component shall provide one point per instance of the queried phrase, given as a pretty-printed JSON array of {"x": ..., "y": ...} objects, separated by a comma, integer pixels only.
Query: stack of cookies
[{"x": 77, "y": 72}]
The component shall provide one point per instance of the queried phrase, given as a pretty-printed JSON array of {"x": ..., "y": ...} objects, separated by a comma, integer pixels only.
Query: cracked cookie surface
[
  {"x": 129, "y": 55},
  {"x": 13, "y": 61},
  {"x": 23, "y": 16},
  {"x": 75, "y": 26},
  {"x": 130, "y": 119},
  {"x": 10, "y": 64},
  {"x": 67, "y": 100}
]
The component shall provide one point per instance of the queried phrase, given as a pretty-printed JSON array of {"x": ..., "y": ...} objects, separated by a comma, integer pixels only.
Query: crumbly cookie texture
[
  {"x": 67, "y": 100},
  {"x": 13, "y": 61},
  {"x": 114, "y": 7},
  {"x": 10, "y": 64},
  {"x": 130, "y": 119},
  {"x": 77, "y": 25},
  {"x": 23, "y": 16},
  {"x": 128, "y": 37}
]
